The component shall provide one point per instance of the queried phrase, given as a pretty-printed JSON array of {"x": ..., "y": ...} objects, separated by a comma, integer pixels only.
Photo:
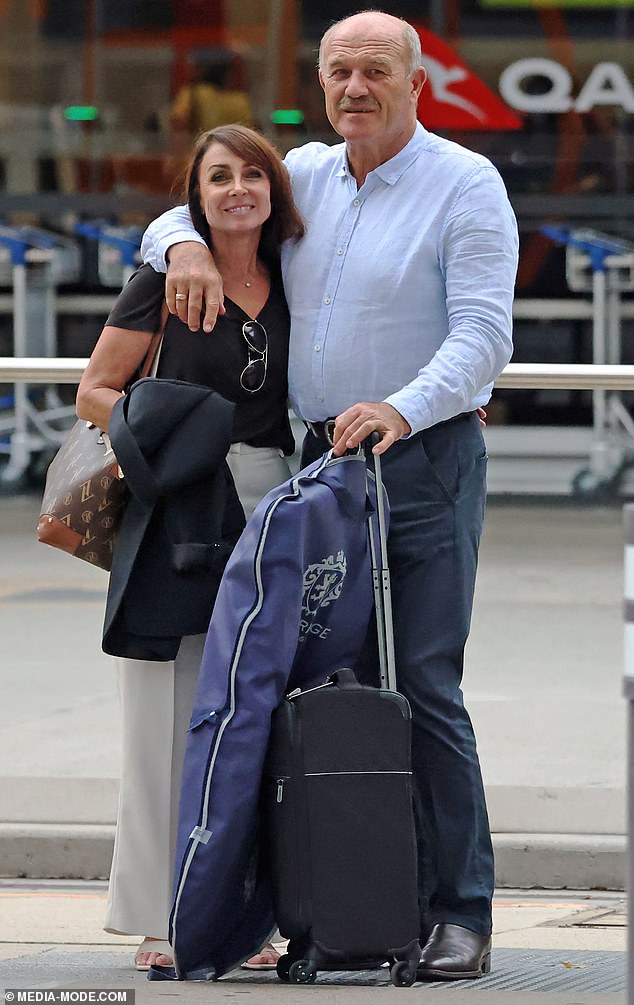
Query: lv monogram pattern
[
  {"x": 85, "y": 494},
  {"x": 84, "y": 497}
]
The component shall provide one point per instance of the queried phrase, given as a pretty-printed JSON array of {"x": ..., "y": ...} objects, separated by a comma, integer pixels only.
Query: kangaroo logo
[
  {"x": 456, "y": 98},
  {"x": 442, "y": 77}
]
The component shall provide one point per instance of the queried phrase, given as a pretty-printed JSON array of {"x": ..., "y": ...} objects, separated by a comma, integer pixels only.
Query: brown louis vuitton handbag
[
  {"x": 84, "y": 497},
  {"x": 85, "y": 493}
]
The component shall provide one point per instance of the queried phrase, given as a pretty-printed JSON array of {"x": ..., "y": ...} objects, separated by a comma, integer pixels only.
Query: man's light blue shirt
[{"x": 401, "y": 290}]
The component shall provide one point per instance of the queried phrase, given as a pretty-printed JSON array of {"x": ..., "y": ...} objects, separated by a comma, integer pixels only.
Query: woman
[{"x": 240, "y": 201}]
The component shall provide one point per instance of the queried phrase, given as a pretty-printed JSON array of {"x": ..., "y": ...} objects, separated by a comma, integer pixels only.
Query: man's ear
[
  {"x": 321, "y": 80},
  {"x": 418, "y": 81}
]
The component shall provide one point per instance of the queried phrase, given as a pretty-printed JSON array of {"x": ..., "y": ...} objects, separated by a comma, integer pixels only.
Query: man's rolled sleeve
[
  {"x": 173, "y": 227},
  {"x": 412, "y": 408}
]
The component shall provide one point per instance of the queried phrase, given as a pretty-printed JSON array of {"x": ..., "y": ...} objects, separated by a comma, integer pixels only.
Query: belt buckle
[{"x": 329, "y": 431}]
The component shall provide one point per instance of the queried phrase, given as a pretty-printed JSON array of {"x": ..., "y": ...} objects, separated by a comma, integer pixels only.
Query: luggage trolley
[
  {"x": 604, "y": 266},
  {"x": 117, "y": 250},
  {"x": 34, "y": 262}
]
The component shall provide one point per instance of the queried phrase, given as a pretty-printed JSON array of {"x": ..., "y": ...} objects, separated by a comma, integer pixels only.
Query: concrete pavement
[
  {"x": 548, "y": 947},
  {"x": 543, "y": 683}
]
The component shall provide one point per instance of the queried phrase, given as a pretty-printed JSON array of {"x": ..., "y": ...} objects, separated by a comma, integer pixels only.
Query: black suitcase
[{"x": 338, "y": 817}]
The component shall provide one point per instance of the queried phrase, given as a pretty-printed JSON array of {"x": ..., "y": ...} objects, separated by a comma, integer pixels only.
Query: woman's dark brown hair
[{"x": 284, "y": 221}]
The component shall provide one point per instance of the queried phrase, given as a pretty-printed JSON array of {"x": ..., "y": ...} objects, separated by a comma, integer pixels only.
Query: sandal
[
  {"x": 153, "y": 952},
  {"x": 266, "y": 959}
]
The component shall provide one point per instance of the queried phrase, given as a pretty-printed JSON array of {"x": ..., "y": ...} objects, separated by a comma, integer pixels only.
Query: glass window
[{"x": 100, "y": 101}]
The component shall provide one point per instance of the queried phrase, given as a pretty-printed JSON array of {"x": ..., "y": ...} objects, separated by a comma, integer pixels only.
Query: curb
[
  {"x": 56, "y": 851},
  {"x": 545, "y": 861},
  {"x": 560, "y": 861}
]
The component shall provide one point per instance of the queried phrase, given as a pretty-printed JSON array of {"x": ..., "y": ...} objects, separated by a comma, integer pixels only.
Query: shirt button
[
  {"x": 356, "y": 202},
  {"x": 340, "y": 251},
  {"x": 326, "y": 300},
  {"x": 317, "y": 348}
]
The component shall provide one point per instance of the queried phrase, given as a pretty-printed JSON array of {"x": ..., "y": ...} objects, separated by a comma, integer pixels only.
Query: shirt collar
[
  {"x": 343, "y": 170},
  {"x": 391, "y": 170}
]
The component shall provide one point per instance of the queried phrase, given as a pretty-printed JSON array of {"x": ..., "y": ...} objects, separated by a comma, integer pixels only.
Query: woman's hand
[{"x": 193, "y": 281}]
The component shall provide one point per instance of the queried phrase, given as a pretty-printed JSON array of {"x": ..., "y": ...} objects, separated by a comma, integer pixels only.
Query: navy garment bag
[{"x": 293, "y": 607}]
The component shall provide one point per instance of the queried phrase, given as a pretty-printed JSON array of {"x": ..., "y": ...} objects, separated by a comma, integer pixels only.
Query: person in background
[
  {"x": 206, "y": 102},
  {"x": 239, "y": 197}
]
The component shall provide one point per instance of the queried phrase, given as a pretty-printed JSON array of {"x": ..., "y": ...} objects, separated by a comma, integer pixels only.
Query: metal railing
[
  {"x": 542, "y": 376},
  {"x": 41, "y": 370}
]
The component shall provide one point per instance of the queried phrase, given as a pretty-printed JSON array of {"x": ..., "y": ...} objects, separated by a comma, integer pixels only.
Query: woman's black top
[{"x": 218, "y": 359}]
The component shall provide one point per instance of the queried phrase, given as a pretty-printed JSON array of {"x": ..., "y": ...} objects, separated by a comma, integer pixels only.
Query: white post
[
  {"x": 628, "y": 690},
  {"x": 599, "y": 348},
  {"x": 19, "y": 456}
]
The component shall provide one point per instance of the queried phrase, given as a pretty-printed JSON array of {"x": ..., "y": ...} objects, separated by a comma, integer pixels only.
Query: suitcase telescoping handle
[{"x": 381, "y": 580}]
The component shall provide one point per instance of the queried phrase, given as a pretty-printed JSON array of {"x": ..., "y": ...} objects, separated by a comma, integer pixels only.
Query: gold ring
[{"x": 181, "y": 296}]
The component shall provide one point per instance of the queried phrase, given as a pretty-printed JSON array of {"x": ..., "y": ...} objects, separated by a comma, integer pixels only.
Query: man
[{"x": 400, "y": 297}]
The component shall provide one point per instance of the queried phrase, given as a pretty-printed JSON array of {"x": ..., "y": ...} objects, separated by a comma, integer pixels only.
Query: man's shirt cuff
[
  {"x": 154, "y": 251},
  {"x": 402, "y": 402}
]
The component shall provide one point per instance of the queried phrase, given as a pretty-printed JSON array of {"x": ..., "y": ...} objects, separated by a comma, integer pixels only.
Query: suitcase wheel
[
  {"x": 403, "y": 974},
  {"x": 283, "y": 966},
  {"x": 301, "y": 972}
]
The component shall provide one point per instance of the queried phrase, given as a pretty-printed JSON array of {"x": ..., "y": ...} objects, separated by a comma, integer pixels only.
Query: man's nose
[{"x": 357, "y": 85}]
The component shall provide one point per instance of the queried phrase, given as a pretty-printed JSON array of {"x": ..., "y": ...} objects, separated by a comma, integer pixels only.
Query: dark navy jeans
[{"x": 435, "y": 481}]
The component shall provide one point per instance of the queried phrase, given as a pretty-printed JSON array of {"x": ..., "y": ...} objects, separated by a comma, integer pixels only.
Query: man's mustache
[{"x": 353, "y": 105}]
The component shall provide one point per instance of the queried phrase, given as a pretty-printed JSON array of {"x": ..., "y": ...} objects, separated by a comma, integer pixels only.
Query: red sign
[
  {"x": 453, "y": 97},
  {"x": 197, "y": 13}
]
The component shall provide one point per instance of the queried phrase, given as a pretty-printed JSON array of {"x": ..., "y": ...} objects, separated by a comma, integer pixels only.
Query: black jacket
[{"x": 182, "y": 519}]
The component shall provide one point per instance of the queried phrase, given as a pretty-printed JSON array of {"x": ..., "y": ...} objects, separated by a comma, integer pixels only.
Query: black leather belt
[
  {"x": 460, "y": 417},
  {"x": 324, "y": 430}
]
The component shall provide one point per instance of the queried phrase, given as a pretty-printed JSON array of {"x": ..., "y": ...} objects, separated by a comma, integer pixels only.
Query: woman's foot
[
  {"x": 266, "y": 959},
  {"x": 153, "y": 953}
]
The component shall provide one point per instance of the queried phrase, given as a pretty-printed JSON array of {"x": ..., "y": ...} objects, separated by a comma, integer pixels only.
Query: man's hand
[
  {"x": 357, "y": 422},
  {"x": 193, "y": 280}
]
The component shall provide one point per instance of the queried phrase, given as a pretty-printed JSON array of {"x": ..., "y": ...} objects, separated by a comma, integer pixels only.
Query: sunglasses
[{"x": 254, "y": 374}]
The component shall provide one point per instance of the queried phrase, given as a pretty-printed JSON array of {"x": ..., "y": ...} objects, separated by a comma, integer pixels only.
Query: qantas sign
[
  {"x": 454, "y": 98},
  {"x": 606, "y": 84}
]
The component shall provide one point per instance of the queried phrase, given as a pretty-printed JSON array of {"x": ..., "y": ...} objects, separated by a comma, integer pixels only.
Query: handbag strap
[
  {"x": 137, "y": 471},
  {"x": 149, "y": 366},
  {"x": 147, "y": 489}
]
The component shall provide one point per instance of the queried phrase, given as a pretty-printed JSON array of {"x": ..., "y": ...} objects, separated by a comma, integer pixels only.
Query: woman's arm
[{"x": 116, "y": 358}]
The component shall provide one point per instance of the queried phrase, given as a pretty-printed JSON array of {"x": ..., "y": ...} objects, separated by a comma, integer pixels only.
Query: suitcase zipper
[
  {"x": 298, "y": 691},
  {"x": 324, "y": 774}
]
